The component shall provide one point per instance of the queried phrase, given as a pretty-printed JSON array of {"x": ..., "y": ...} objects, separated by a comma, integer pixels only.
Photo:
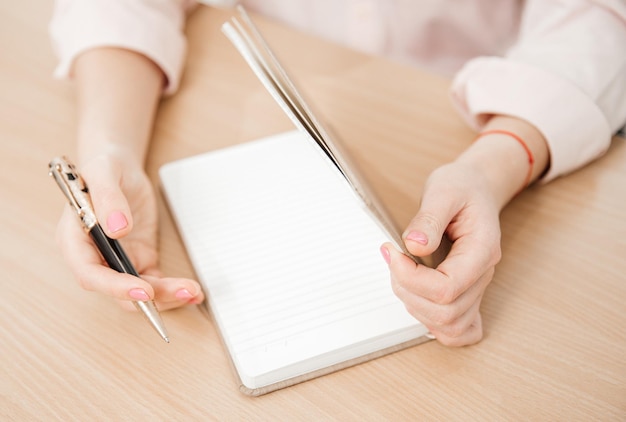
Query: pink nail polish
[
  {"x": 183, "y": 294},
  {"x": 385, "y": 253},
  {"x": 138, "y": 294},
  {"x": 418, "y": 237},
  {"x": 116, "y": 221}
]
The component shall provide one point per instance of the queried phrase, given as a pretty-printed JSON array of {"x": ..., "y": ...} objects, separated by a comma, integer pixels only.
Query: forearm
[
  {"x": 117, "y": 95},
  {"x": 563, "y": 75},
  {"x": 502, "y": 161}
]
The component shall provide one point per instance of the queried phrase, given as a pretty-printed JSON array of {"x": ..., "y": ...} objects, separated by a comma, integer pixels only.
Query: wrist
[
  {"x": 509, "y": 154},
  {"x": 102, "y": 156},
  {"x": 100, "y": 145},
  {"x": 534, "y": 143}
]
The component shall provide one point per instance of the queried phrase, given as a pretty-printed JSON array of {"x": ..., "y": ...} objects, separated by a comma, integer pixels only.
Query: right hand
[{"x": 125, "y": 206}]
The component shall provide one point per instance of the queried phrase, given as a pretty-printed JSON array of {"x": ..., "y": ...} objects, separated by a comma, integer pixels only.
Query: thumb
[
  {"x": 110, "y": 204},
  {"x": 425, "y": 231}
]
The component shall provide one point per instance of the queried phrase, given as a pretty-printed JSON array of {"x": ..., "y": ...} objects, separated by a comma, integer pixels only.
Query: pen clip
[{"x": 75, "y": 189}]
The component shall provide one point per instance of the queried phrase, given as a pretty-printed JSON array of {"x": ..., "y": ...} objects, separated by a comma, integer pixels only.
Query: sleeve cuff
[
  {"x": 574, "y": 127},
  {"x": 155, "y": 32}
]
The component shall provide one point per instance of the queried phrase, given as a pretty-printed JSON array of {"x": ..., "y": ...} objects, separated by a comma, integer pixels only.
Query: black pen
[{"x": 76, "y": 191}]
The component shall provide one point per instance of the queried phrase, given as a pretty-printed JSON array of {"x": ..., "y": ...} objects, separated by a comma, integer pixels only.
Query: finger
[
  {"x": 88, "y": 267},
  {"x": 475, "y": 250},
  {"x": 472, "y": 335},
  {"x": 454, "y": 325},
  {"x": 421, "y": 280},
  {"x": 424, "y": 232},
  {"x": 109, "y": 202},
  {"x": 173, "y": 292},
  {"x": 453, "y": 318}
]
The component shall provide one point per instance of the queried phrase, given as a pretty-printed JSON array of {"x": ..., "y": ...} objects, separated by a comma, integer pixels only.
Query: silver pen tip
[{"x": 167, "y": 339}]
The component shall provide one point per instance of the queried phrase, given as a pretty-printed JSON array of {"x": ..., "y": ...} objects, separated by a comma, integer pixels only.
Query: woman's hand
[
  {"x": 447, "y": 299},
  {"x": 118, "y": 92},
  {"x": 463, "y": 200},
  {"x": 125, "y": 206}
]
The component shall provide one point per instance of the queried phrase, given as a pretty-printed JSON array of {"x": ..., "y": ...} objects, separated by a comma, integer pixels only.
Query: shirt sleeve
[
  {"x": 153, "y": 28},
  {"x": 566, "y": 75}
]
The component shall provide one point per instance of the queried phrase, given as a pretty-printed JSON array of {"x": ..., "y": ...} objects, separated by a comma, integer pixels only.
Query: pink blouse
[{"x": 558, "y": 64}]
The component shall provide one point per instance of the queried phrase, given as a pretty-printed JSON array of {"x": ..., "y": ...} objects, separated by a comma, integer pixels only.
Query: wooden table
[{"x": 555, "y": 314}]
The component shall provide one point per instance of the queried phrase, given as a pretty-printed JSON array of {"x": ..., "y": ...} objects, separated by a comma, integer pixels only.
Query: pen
[{"x": 76, "y": 191}]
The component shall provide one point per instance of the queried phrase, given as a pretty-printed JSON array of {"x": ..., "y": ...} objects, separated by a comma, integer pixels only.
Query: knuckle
[
  {"x": 84, "y": 283},
  {"x": 430, "y": 220},
  {"x": 106, "y": 194},
  {"x": 445, "y": 294},
  {"x": 451, "y": 341},
  {"x": 494, "y": 249},
  {"x": 453, "y": 330},
  {"x": 434, "y": 316},
  {"x": 457, "y": 335},
  {"x": 444, "y": 317},
  {"x": 496, "y": 254}
]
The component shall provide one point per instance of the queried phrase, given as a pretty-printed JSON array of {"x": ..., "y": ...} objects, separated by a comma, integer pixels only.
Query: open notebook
[{"x": 284, "y": 236}]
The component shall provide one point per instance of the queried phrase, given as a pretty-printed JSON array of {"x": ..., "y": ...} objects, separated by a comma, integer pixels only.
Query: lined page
[{"x": 288, "y": 255}]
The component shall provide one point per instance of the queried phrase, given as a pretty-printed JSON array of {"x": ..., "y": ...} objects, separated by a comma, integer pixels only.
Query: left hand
[{"x": 456, "y": 202}]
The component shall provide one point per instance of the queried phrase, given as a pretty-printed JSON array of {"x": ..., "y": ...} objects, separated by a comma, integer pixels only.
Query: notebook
[{"x": 284, "y": 237}]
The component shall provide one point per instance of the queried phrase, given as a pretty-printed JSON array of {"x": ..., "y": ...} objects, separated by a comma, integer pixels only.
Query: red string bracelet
[{"x": 531, "y": 158}]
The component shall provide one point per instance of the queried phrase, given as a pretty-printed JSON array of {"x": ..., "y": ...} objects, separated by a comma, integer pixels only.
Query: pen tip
[{"x": 167, "y": 339}]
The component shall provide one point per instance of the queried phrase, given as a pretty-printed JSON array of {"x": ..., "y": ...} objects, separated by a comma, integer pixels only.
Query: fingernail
[
  {"x": 385, "y": 253},
  {"x": 116, "y": 221},
  {"x": 183, "y": 294},
  {"x": 138, "y": 294},
  {"x": 418, "y": 237}
]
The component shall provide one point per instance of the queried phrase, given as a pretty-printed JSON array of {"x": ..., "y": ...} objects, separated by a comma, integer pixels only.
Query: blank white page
[{"x": 289, "y": 258}]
